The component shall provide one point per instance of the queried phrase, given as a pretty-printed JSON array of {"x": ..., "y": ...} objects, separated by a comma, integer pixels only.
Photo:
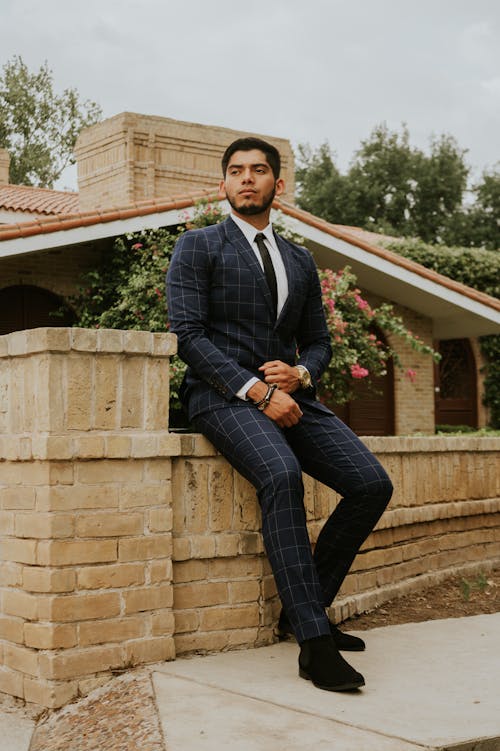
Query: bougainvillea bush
[
  {"x": 127, "y": 291},
  {"x": 358, "y": 353}
]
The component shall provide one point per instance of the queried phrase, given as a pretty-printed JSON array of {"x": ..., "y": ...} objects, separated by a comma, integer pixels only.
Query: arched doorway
[
  {"x": 25, "y": 306},
  {"x": 456, "y": 384},
  {"x": 372, "y": 411}
]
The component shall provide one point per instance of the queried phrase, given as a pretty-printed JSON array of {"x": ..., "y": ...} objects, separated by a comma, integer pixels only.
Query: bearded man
[{"x": 247, "y": 310}]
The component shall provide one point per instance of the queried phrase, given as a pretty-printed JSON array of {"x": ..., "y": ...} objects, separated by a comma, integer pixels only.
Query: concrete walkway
[{"x": 429, "y": 686}]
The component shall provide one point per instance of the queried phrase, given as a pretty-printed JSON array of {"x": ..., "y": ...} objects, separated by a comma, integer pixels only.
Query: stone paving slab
[
  {"x": 197, "y": 717},
  {"x": 15, "y": 731},
  {"x": 435, "y": 685},
  {"x": 430, "y": 686}
]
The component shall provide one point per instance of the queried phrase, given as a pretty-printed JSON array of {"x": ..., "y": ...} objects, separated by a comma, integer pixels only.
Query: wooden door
[
  {"x": 372, "y": 411},
  {"x": 456, "y": 384},
  {"x": 25, "y": 306}
]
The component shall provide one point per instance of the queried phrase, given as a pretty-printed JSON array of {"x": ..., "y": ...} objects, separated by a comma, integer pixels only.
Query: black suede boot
[
  {"x": 345, "y": 642},
  {"x": 321, "y": 663}
]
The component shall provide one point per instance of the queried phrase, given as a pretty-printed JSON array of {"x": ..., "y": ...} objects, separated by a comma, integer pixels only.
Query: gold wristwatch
[{"x": 304, "y": 377}]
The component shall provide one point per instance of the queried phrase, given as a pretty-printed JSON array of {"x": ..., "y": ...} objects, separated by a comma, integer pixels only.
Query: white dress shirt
[
  {"x": 250, "y": 233},
  {"x": 279, "y": 267}
]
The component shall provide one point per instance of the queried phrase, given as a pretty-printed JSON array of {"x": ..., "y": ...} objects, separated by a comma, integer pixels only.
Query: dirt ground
[{"x": 454, "y": 598}]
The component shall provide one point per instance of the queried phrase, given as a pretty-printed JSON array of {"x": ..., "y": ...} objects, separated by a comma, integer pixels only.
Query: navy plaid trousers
[{"x": 272, "y": 459}]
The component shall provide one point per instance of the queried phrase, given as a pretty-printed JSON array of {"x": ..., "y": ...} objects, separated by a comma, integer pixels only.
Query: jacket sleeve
[
  {"x": 313, "y": 338},
  {"x": 188, "y": 291}
]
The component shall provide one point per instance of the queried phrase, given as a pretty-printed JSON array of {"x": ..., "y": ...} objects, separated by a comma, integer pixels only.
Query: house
[
  {"x": 125, "y": 543},
  {"x": 137, "y": 172}
]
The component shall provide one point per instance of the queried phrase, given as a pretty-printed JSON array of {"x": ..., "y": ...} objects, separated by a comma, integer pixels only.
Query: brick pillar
[{"x": 85, "y": 508}]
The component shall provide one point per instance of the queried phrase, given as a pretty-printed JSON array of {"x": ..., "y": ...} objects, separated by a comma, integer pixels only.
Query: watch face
[{"x": 305, "y": 378}]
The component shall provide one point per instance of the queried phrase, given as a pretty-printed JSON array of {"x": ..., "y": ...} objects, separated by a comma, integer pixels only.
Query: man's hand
[
  {"x": 286, "y": 376},
  {"x": 282, "y": 408}
]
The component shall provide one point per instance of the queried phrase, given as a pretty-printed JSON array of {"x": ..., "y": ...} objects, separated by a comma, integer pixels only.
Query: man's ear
[
  {"x": 279, "y": 186},
  {"x": 222, "y": 189}
]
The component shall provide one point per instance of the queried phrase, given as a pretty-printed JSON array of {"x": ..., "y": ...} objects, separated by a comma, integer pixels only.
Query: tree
[
  {"x": 383, "y": 178},
  {"x": 477, "y": 225},
  {"x": 390, "y": 186},
  {"x": 37, "y": 126},
  {"x": 441, "y": 180},
  {"x": 487, "y": 209},
  {"x": 322, "y": 189}
]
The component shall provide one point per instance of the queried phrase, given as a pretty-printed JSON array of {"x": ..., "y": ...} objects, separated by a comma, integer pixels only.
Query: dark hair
[{"x": 247, "y": 144}]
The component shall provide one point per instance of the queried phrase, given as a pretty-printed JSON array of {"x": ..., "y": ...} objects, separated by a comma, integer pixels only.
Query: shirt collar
[{"x": 250, "y": 231}]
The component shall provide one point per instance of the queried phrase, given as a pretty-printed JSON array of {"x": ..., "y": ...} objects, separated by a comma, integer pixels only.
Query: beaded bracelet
[{"x": 265, "y": 401}]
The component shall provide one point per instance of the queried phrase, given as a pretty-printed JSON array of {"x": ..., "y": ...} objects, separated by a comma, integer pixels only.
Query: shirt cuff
[{"x": 242, "y": 393}]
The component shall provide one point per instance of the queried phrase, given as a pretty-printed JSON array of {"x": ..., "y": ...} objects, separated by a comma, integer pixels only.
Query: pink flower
[
  {"x": 362, "y": 304},
  {"x": 358, "y": 372},
  {"x": 411, "y": 374},
  {"x": 137, "y": 246}
]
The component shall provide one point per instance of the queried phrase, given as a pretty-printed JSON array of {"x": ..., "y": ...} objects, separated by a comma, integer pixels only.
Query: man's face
[{"x": 249, "y": 184}]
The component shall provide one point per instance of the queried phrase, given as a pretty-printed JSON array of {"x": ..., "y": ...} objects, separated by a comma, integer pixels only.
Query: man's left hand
[{"x": 285, "y": 376}]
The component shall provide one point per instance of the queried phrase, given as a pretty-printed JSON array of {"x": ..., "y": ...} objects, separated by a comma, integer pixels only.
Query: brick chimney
[
  {"x": 131, "y": 157},
  {"x": 4, "y": 166}
]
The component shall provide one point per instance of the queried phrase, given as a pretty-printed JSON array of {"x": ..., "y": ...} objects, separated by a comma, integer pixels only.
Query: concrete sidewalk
[{"x": 429, "y": 686}]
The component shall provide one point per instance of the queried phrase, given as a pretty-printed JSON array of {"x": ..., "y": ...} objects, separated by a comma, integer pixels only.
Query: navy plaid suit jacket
[{"x": 220, "y": 308}]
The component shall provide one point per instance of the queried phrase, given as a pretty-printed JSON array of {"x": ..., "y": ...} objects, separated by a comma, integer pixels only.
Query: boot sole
[{"x": 341, "y": 687}]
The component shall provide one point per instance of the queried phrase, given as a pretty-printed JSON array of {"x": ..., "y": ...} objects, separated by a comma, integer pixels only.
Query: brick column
[{"x": 85, "y": 508}]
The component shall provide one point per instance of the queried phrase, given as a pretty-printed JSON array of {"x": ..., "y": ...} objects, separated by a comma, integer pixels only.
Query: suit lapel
[
  {"x": 290, "y": 274},
  {"x": 247, "y": 254}
]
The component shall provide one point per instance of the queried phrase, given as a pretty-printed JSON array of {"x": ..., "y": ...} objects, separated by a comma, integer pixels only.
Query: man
[{"x": 246, "y": 307}]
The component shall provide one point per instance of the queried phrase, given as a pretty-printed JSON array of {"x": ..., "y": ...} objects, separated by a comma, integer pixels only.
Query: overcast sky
[{"x": 307, "y": 70}]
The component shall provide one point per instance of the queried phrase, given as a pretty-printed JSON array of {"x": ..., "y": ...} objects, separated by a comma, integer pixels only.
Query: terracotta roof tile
[{"x": 37, "y": 200}]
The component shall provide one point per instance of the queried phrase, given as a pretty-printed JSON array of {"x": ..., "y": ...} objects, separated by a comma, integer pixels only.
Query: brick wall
[
  {"x": 413, "y": 397},
  {"x": 444, "y": 517},
  {"x": 131, "y": 157},
  {"x": 483, "y": 412},
  {"x": 123, "y": 544},
  {"x": 51, "y": 270},
  {"x": 85, "y": 508}
]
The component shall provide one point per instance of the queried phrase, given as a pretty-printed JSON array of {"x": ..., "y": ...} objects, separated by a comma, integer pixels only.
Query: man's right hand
[{"x": 282, "y": 408}]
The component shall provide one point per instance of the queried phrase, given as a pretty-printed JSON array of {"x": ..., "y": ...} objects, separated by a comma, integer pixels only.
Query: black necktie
[{"x": 268, "y": 269}]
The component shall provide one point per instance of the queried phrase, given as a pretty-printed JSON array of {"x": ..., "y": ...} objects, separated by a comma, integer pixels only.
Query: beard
[{"x": 255, "y": 208}]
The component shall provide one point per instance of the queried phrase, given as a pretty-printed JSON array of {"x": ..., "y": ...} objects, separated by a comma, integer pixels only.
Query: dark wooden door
[
  {"x": 29, "y": 307},
  {"x": 456, "y": 384},
  {"x": 372, "y": 411}
]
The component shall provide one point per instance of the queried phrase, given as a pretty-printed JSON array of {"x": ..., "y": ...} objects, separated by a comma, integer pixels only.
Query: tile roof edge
[
  {"x": 46, "y": 224},
  {"x": 388, "y": 255}
]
